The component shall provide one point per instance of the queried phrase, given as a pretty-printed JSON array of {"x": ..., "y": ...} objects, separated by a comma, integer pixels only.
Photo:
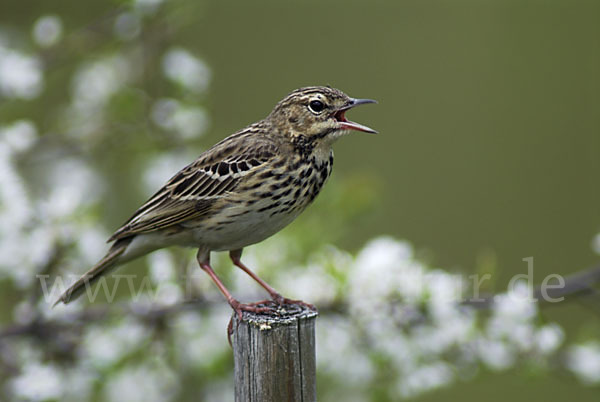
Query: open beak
[{"x": 350, "y": 125}]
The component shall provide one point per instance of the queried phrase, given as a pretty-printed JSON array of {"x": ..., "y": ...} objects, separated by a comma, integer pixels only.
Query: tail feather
[{"x": 105, "y": 265}]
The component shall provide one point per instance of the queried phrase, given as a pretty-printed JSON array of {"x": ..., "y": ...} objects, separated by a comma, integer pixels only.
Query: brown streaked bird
[{"x": 239, "y": 192}]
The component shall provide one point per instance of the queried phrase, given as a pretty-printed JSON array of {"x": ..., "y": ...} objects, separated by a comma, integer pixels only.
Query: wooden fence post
[{"x": 274, "y": 356}]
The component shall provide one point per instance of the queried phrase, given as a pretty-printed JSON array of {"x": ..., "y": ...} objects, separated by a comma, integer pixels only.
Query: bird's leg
[
  {"x": 236, "y": 255},
  {"x": 238, "y": 307}
]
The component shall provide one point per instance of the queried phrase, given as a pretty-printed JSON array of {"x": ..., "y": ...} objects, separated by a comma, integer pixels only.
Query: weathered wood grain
[{"x": 274, "y": 355}]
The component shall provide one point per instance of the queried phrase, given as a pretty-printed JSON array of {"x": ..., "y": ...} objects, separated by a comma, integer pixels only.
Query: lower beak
[{"x": 350, "y": 125}]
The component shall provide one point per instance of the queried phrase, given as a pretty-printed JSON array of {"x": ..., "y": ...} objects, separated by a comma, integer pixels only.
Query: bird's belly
[{"x": 234, "y": 232}]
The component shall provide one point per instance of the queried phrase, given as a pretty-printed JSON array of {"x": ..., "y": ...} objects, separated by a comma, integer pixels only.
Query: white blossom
[
  {"x": 495, "y": 354},
  {"x": 19, "y": 136},
  {"x": 199, "y": 337},
  {"x": 20, "y": 74},
  {"x": 161, "y": 267},
  {"x": 95, "y": 82},
  {"x": 38, "y": 382},
  {"x": 425, "y": 378},
  {"x": 47, "y": 30},
  {"x": 159, "y": 384},
  {"x": 106, "y": 346},
  {"x": 584, "y": 361},
  {"x": 180, "y": 66},
  {"x": 187, "y": 121},
  {"x": 548, "y": 338}
]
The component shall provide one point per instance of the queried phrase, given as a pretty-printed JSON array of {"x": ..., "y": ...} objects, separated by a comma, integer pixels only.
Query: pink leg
[
  {"x": 235, "y": 256},
  {"x": 235, "y": 304}
]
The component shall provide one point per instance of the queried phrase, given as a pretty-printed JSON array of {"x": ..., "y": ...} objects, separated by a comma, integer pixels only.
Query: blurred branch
[
  {"x": 578, "y": 284},
  {"x": 43, "y": 327},
  {"x": 147, "y": 314}
]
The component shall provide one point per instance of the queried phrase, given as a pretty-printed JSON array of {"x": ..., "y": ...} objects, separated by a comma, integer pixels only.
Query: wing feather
[{"x": 192, "y": 192}]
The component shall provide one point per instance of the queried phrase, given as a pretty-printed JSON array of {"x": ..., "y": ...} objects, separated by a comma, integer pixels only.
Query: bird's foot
[{"x": 259, "y": 307}]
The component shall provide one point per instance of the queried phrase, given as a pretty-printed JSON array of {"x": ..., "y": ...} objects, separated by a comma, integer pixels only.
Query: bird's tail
[{"x": 105, "y": 265}]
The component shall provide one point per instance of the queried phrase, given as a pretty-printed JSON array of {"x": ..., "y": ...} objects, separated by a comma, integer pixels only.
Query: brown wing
[{"x": 191, "y": 193}]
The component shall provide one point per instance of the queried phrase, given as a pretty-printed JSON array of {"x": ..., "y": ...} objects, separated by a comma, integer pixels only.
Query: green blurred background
[{"x": 489, "y": 121}]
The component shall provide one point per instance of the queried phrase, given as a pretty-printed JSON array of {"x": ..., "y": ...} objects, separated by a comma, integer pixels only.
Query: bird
[{"x": 240, "y": 191}]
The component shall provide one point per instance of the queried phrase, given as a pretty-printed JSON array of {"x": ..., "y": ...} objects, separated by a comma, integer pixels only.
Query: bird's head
[{"x": 317, "y": 113}]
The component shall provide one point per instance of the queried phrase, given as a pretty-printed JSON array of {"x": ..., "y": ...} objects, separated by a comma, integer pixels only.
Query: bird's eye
[{"x": 316, "y": 106}]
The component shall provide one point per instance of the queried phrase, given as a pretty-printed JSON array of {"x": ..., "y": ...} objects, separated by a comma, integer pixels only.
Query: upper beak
[{"x": 350, "y": 125}]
